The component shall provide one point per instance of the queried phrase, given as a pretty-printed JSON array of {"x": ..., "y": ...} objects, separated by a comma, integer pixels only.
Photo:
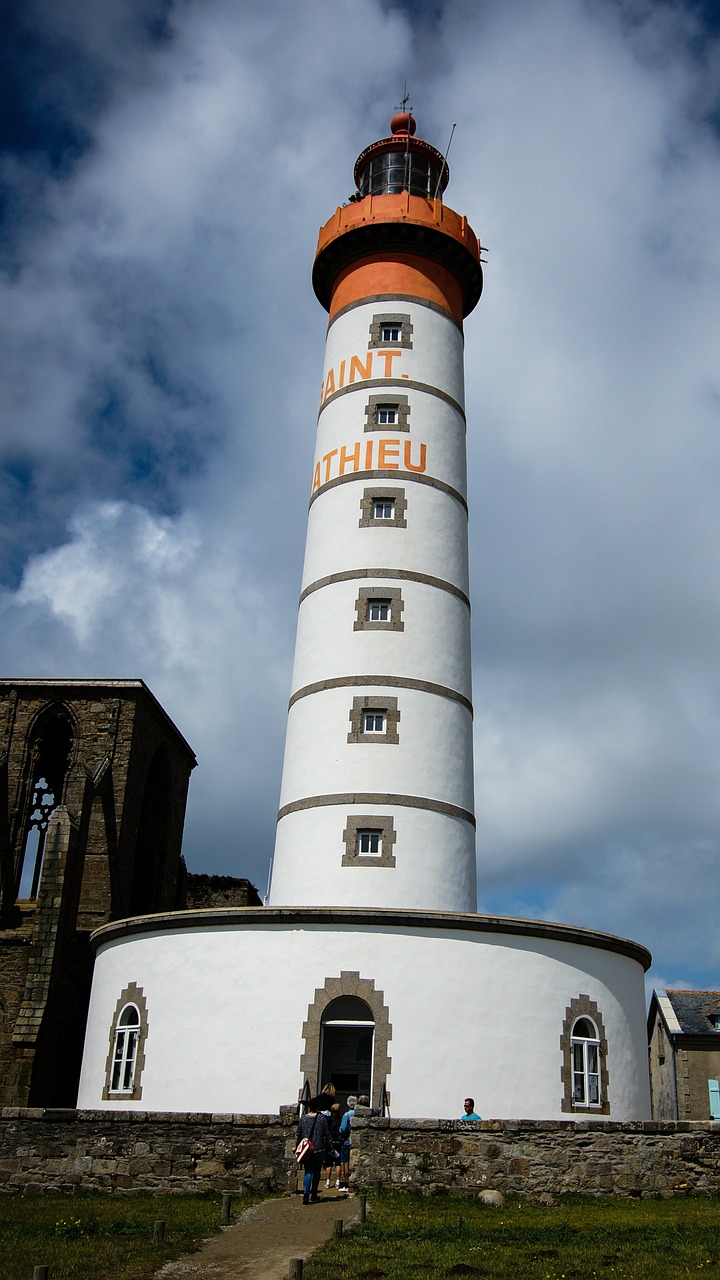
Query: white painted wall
[
  {"x": 471, "y": 1013},
  {"x": 430, "y": 850},
  {"x": 433, "y": 646},
  {"x": 436, "y": 356},
  {"x": 437, "y": 544},
  {"x": 431, "y": 421},
  {"x": 431, "y": 759}
]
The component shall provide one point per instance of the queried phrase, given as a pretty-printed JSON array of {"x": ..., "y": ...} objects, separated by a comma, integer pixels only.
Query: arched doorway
[
  {"x": 346, "y": 1048},
  {"x": 328, "y": 1008}
]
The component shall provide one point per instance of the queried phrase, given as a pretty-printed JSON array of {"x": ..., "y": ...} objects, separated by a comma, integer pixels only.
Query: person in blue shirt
[
  {"x": 345, "y": 1127},
  {"x": 470, "y": 1112}
]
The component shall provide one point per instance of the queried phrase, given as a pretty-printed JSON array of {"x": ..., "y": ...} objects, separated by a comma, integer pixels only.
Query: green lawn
[
  {"x": 102, "y": 1237},
  {"x": 415, "y": 1237}
]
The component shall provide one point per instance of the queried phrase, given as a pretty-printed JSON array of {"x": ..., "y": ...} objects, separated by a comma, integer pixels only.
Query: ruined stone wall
[
  {"x": 14, "y": 962},
  {"x": 535, "y": 1157},
  {"x": 118, "y": 771},
  {"x": 117, "y": 730},
  {"x": 123, "y": 1152},
  {"x": 220, "y": 891}
]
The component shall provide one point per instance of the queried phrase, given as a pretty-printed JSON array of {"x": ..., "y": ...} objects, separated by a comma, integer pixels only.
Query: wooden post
[
  {"x": 362, "y": 1213},
  {"x": 337, "y": 1228},
  {"x": 225, "y": 1211},
  {"x": 41, "y": 1273},
  {"x": 295, "y": 1272},
  {"x": 158, "y": 1232}
]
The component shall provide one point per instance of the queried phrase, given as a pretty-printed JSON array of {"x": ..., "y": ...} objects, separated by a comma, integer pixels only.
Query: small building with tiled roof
[{"x": 684, "y": 1039}]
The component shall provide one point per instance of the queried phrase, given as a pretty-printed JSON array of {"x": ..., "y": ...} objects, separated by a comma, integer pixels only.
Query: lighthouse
[
  {"x": 376, "y": 805},
  {"x": 370, "y": 967}
]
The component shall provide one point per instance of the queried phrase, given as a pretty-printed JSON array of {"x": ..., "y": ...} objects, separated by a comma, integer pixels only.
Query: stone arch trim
[
  {"x": 131, "y": 994},
  {"x": 348, "y": 984},
  {"x": 51, "y": 707},
  {"x": 583, "y": 1006}
]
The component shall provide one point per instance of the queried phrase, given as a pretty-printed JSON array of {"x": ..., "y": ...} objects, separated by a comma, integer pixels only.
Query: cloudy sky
[{"x": 165, "y": 167}]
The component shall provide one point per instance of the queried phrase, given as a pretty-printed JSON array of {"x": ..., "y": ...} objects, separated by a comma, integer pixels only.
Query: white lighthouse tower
[
  {"x": 369, "y": 966},
  {"x": 377, "y": 789}
]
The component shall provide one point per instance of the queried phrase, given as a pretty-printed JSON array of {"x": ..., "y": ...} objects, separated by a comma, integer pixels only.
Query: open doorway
[{"x": 346, "y": 1049}]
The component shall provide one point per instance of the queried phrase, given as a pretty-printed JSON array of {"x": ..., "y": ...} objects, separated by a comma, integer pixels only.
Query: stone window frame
[
  {"x": 393, "y": 595},
  {"x": 390, "y": 400},
  {"x": 374, "y": 703},
  {"x": 369, "y": 822},
  {"x": 131, "y": 994},
  {"x": 349, "y": 983},
  {"x": 37, "y": 758},
  {"x": 583, "y": 1007},
  {"x": 367, "y": 502},
  {"x": 401, "y": 318}
]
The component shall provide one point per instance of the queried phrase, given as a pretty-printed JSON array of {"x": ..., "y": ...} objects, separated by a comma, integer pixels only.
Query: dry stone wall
[
  {"x": 537, "y": 1158},
  {"x": 138, "y": 1151}
]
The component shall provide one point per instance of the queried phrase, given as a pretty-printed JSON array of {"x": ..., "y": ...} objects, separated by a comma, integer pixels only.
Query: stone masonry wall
[
  {"x": 534, "y": 1157},
  {"x": 123, "y": 1152},
  {"x": 220, "y": 891},
  {"x": 14, "y": 961},
  {"x": 118, "y": 770}
]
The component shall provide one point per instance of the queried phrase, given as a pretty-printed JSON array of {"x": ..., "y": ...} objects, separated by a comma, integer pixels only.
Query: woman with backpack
[{"x": 314, "y": 1143}]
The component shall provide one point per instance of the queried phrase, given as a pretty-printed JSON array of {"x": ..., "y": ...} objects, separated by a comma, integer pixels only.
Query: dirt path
[{"x": 263, "y": 1240}]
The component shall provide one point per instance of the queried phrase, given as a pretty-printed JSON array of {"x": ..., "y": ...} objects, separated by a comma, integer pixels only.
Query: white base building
[{"x": 238, "y": 1008}]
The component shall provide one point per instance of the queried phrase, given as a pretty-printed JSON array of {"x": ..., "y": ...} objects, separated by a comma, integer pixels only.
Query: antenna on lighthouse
[
  {"x": 447, "y": 153},
  {"x": 403, "y": 107}
]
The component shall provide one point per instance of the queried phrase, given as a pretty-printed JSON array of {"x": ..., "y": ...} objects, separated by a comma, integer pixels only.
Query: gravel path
[{"x": 263, "y": 1241}]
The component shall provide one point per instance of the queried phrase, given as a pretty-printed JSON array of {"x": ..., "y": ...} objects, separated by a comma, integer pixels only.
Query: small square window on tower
[
  {"x": 383, "y": 413},
  {"x": 369, "y": 842},
  {"x": 383, "y": 508},
  {"x": 387, "y": 415},
  {"x": 392, "y": 329},
  {"x": 379, "y": 610},
  {"x": 374, "y": 720}
]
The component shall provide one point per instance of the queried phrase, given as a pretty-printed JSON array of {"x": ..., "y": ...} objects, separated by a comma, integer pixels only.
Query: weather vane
[{"x": 405, "y": 98}]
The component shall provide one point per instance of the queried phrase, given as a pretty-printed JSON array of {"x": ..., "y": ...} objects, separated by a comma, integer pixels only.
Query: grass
[
  {"x": 99, "y": 1237},
  {"x": 414, "y": 1237}
]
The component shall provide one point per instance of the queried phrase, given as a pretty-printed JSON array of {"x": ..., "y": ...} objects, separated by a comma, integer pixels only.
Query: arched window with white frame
[
  {"x": 586, "y": 1063},
  {"x": 126, "y": 1055},
  {"x": 584, "y": 1049},
  {"x": 127, "y": 1036}
]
